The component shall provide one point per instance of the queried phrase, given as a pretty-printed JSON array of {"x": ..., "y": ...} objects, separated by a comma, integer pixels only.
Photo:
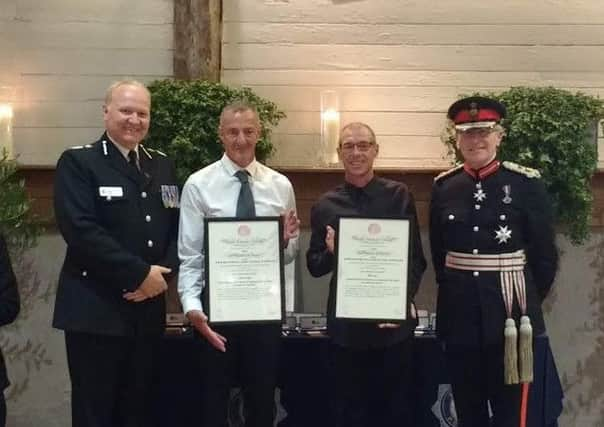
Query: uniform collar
[
  {"x": 231, "y": 167},
  {"x": 484, "y": 171},
  {"x": 123, "y": 150}
]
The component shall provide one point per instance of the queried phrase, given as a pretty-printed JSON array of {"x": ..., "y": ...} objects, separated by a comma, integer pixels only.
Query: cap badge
[{"x": 473, "y": 110}]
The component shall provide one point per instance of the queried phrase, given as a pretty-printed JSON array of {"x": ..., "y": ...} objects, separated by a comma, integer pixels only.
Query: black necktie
[
  {"x": 245, "y": 201},
  {"x": 133, "y": 160}
]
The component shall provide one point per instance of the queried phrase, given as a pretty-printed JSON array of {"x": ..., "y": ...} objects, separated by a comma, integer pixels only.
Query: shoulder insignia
[
  {"x": 447, "y": 172},
  {"x": 524, "y": 170},
  {"x": 153, "y": 150},
  {"x": 79, "y": 147}
]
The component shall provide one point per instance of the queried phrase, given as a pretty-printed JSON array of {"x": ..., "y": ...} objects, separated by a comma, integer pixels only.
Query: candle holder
[
  {"x": 6, "y": 130},
  {"x": 330, "y": 127}
]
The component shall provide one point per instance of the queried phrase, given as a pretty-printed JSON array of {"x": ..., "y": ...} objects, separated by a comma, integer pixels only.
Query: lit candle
[
  {"x": 330, "y": 130},
  {"x": 330, "y": 126},
  {"x": 6, "y": 130}
]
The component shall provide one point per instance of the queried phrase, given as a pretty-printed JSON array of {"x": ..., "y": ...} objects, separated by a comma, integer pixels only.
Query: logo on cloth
[{"x": 444, "y": 407}]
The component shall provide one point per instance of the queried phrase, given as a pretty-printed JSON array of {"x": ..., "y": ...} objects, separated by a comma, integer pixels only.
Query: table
[{"x": 304, "y": 384}]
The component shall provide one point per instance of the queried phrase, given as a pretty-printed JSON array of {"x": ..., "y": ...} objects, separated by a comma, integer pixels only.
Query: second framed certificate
[
  {"x": 244, "y": 270},
  {"x": 372, "y": 269}
]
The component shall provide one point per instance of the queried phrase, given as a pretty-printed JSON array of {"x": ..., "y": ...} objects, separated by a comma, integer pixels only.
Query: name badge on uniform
[
  {"x": 111, "y": 192},
  {"x": 169, "y": 196}
]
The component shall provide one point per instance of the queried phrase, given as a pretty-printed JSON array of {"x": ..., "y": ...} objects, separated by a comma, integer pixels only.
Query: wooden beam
[{"x": 197, "y": 39}]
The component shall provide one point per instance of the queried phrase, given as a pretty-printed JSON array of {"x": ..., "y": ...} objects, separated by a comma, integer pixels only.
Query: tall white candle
[
  {"x": 330, "y": 127},
  {"x": 6, "y": 130},
  {"x": 330, "y": 130}
]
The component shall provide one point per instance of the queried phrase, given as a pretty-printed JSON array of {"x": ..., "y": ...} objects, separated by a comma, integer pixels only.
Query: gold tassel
[
  {"x": 510, "y": 360},
  {"x": 526, "y": 350}
]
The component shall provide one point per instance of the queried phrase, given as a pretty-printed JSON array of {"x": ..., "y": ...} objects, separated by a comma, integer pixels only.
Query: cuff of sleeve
[
  {"x": 139, "y": 274},
  {"x": 190, "y": 304}
]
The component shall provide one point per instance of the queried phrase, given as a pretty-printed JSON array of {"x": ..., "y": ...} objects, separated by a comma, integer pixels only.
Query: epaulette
[
  {"x": 153, "y": 150},
  {"x": 79, "y": 147},
  {"x": 526, "y": 171},
  {"x": 447, "y": 172}
]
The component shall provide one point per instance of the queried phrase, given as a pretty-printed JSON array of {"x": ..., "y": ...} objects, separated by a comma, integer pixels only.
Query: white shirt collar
[
  {"x": 123, "y": 149},
  {"x": 231, "y": 167}
]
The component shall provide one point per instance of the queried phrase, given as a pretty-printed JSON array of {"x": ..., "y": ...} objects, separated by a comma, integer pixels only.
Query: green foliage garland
[
  {"x": 553, "y": 131},
  {"x": 20, "y": 228},
  {"x": 184, "y": 121}
]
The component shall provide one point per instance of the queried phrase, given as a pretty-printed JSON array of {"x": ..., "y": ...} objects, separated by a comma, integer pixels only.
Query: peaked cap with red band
[{"x": 476, "y": 112}]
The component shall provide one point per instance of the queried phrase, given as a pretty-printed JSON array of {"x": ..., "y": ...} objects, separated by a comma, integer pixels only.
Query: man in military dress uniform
[
  {"x": 116, "y": 205},
  {"x": 493, "y": 249}
]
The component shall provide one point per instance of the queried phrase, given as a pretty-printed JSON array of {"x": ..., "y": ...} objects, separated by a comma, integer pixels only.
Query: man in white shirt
[{"x": 249, "y": 352}]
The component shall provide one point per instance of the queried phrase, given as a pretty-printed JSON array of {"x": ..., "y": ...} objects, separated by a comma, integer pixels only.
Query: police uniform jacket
[
  {"x": 380, "y": 198},
  {"x": 500, "y": 209},
  {"x": 9, "y": 301},
  {"x": 116, "y": 222}
]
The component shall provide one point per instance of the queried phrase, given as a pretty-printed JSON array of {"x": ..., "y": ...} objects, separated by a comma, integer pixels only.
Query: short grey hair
[
  {"x": 357, "y": 125},
  {"x": 119, "y": 83},
  {"x": 239, "y": 106}
]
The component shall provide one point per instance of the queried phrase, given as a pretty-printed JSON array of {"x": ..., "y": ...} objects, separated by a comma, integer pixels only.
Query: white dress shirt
[{"x": 213, "y": 192}]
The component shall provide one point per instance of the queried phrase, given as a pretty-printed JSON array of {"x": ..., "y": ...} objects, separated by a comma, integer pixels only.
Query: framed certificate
[
  {"x": 372, "y": 267},
  {"x": 244, "y": 280}
]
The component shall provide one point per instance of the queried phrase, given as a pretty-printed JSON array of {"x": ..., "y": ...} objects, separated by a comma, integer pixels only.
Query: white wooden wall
[
  {"x": 398, "y": 64},
  {"x": 58, "y": 56}
]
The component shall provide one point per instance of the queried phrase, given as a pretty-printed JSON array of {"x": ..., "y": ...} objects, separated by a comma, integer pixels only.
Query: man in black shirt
[{"x": 372, "y": 362}]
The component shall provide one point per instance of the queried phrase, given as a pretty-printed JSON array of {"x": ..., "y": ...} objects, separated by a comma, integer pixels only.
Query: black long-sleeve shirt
[{"x": 380, "y": 198}]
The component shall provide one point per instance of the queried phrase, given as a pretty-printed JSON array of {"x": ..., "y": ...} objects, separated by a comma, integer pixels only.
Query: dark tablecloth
[{"x": 305, "y": 384}]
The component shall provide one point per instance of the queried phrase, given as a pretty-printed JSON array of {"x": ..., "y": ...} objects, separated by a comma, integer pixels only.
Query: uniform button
[
  {"x": 150, "y": 243},
  {"x": 148, "y": 218},
  {"x": 451, "y": 217},
  {"x": 476, "y": 274},
  {"x": 144, "y": 194},
  {"x": 474, "y": 251},
  {"x": 475, "y": 228},
  {"x": 502, "y": 217},
  {"x": 84, "y": 273},
  {"x": 477, "y": 207}
]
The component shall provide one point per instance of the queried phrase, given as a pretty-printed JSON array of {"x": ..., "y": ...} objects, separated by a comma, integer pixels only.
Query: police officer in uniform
[
  {"x": 116, "y": 205},
  {"x": 493, "y": 249}
]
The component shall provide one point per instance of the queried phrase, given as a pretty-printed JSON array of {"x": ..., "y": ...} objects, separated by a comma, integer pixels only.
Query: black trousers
[
  {"x": 112, "y": 379},
  {"x": 373, "y": 387},
  {"x": 2, "y": 410},
  {"x": 477, "y": 379},
  {"x": 251, "y": 360}
]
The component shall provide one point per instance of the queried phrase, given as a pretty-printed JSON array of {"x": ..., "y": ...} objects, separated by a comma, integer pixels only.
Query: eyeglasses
[{"x": 363, "y": 147}]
